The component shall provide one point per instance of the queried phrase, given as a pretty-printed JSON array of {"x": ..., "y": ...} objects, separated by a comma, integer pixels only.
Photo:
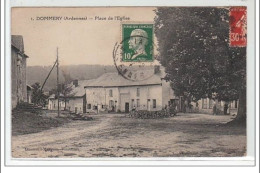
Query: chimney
[
  {"x": 76, "y": 82},
  {"x": 156, "y": 69}
]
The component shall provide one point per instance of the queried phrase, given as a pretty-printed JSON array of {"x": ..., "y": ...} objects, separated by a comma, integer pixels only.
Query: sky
[{"x": 79, "y": 41}]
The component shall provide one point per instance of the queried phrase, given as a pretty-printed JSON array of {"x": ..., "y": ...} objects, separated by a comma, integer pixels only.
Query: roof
[
  {"x": 17, "y": 42},
  {"x": 117, "y": 80},
  {"x": 52, "y": 96},
  {"x": 79, "y": 90}
]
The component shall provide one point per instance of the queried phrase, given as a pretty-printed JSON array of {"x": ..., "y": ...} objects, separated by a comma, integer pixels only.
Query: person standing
[
  {"x": 215, "y": 109},
  {"x": 225, "y": 108}
]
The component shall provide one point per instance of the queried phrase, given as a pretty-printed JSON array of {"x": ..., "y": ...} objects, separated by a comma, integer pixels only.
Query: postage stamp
[
  {"x": 137, "y": 42},
  {"x": 134, "y": 55},
  {"x": 237, "y": 24}
]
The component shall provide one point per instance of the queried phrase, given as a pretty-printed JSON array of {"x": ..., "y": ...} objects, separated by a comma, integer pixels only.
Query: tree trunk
[{"x": 241, "y": 112}]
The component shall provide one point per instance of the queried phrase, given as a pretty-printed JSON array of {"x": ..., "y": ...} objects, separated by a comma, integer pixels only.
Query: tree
[
  {"x": 38, "y": 97},
  {"x": 194, "y": 48},
  {"x": 66, "y": 91},
  {"x": 66, "y": 88}
]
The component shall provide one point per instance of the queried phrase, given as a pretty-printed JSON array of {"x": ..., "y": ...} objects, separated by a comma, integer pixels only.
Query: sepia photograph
[{"x": 129, "y": 82}]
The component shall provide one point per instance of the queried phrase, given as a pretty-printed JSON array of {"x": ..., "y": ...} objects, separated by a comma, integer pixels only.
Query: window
[
  {"x": 148, "y": 104},
  {"x": 138, "y": 102},
  {"x": 204, "y": 103},
  {"x": 154, "y": 103},
  {"x": 211, "y": 102},
  {"x": 89, "y": 106},
  {"x": 110, "y": 93},
  {"x": 133, "y": 103},
  {"x": 138, "y": 92}
]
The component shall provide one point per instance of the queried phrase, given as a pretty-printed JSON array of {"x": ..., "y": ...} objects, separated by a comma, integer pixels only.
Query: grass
[{"x": 24, "y": 122}]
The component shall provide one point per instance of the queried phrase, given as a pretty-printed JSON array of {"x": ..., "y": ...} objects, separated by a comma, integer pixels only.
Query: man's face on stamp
[{"x": 137, "y": 42}]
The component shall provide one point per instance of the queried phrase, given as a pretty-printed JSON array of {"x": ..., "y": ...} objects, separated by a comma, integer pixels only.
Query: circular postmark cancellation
[{"x": 134, "y": 56}]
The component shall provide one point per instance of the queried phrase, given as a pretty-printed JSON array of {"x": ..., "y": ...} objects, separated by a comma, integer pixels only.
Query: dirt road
[{"x": 117, "y": 136}]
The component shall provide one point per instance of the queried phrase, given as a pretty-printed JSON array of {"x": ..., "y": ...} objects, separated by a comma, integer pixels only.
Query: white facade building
[
  {"x": 205, "y": 105},
  {"x": 75, "y": 103},
  {"x": 112, "y": 92},
  {"x": 53, "y": 103}
]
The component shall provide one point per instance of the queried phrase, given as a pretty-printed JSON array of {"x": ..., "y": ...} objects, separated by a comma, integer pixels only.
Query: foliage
[
  {"x": 38, "y": 97},
  {"x": 194, "y": 48}
]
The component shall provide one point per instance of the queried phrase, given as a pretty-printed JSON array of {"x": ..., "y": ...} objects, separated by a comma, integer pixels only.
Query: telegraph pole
[{"x": 58, "y": 89}]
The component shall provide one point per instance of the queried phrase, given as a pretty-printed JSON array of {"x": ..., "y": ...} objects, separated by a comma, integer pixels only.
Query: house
[
  {"x": 53, "y": 102},
  {"x": 76, "y": 103},
  {"x": 114, "y": 93},
  {"x": 205, "y": 105},
  {"x": 18, "y": 67}
]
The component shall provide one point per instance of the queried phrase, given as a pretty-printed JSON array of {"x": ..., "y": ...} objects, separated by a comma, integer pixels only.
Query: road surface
[{"x": 113, "y": 135}]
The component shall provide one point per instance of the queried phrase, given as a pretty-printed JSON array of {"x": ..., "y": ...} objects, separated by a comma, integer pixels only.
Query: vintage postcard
[{"x": 129, "y": 82}]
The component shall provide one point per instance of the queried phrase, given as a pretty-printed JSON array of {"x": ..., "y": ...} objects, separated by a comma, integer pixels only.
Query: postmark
[
  {"x": 134, "y": 56},
  {"x": 238, "y": 27}
]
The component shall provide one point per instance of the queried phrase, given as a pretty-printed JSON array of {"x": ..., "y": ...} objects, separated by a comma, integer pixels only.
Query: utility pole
[{"x": 58, "y": 89}]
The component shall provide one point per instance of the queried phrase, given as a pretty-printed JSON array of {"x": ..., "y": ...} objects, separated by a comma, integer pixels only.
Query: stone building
[
  {"x": 18, "y": 67},
  {"x": 205, "y": 105},
  {"x": 114, "y": 93},
  {"x": 75, "y": 102},
  {"x": 53, "y": 102}
]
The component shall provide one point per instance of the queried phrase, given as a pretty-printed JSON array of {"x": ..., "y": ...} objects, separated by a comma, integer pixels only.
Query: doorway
[{"x": 127, "y": 107}]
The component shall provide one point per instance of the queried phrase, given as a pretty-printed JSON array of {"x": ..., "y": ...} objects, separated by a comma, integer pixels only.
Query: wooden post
[{"x": 58, "y": 89}]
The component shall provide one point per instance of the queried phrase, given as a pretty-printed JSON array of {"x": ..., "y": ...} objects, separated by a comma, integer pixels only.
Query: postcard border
[{"x": 13, "y": 162}]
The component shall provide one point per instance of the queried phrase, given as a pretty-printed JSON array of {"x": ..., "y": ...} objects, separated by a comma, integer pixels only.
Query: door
[
  {"x": 126, "y": 107},
  {"x": 148, "y": 105},
  {"x": 124, "y": 98},
  {"x": 84, "y": 104}
]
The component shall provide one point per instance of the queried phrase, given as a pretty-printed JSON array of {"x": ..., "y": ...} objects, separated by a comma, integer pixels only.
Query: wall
[
  {"x": 206, "y": 109},
  {"x": 53, "y": 104},
  {"x": 129, "y": 94},
  {"x": 75, "y": 103},
  {"x": 95, "y": 97},
  {"x": 167, "y": 93},
  {"x": 121, "y": 95},
  {"x": 14, "y": 78},
  {"x": 209, "y": 110},
  {"x": 29, "y": 96},
  {"x": 19, "y": 88}
]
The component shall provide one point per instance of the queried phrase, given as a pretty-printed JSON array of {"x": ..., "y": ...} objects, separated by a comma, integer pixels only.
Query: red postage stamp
[{"x": 237, "y": 24}]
